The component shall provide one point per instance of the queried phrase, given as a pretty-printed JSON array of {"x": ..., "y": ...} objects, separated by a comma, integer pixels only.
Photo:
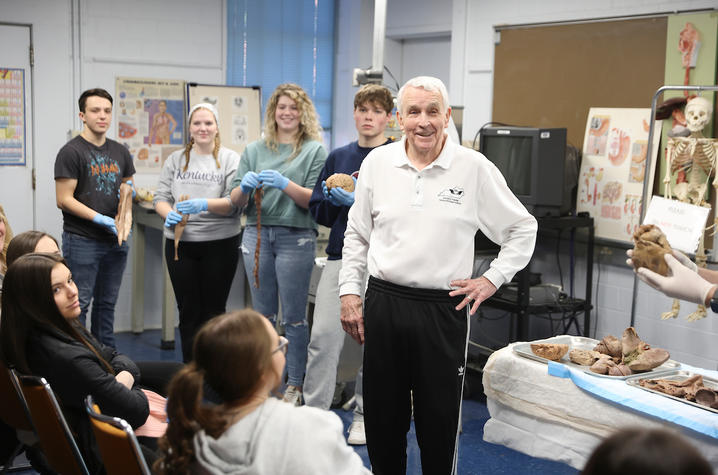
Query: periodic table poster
[{"x": 12, "y": 117}]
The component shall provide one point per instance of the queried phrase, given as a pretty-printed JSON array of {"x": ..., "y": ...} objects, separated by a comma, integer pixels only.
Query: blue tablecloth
[{"x": 637, "y": 399}]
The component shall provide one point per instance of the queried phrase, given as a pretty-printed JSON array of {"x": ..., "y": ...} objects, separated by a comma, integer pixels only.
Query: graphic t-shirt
[{"x": 99, "y": 172}]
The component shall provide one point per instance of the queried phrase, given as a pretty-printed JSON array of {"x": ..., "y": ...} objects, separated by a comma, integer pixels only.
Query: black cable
[
  {"x": 392, "y": 76},
  {"x": 487, "y": 124},
  {"x": 558, "y": 259},
  {"x": 595, "y": 307}
]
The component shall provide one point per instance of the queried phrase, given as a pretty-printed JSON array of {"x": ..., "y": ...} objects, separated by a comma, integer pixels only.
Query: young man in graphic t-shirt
[{"x": 88, "y": 172}]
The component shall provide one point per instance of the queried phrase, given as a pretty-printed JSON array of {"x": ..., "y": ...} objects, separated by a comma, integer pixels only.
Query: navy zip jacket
[{"x": 346, "y": 159}]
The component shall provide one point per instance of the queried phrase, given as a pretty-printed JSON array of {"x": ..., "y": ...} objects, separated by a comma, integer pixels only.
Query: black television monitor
[{"x": 533, "y": 162}]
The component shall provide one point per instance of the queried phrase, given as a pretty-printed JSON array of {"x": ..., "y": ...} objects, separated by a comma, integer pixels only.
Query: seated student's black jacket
[{"x": 74, "y": 371}]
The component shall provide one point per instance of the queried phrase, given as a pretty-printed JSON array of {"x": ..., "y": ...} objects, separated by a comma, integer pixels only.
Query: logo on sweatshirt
[{"x": 452, "y": 195}]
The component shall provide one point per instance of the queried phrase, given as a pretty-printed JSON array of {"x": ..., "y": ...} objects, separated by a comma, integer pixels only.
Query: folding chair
[
  {"x": 118, "y": 445},
  {"x": 56, "y": 440},
  {"x": 13, "y": 412}
]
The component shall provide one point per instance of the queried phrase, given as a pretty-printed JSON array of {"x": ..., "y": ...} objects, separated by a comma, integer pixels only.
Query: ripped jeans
[{"x": 286, "y": 260}]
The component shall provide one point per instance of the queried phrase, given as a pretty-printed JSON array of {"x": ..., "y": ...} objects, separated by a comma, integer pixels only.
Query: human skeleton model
[{"x": 694, "y": 158}]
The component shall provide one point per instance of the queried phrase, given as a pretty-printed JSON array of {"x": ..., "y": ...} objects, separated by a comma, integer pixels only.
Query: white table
[{"x": 550, "y": 417}]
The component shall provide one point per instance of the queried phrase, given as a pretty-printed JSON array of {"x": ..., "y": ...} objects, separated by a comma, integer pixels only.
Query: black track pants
[{"x": 415, "y": 342}]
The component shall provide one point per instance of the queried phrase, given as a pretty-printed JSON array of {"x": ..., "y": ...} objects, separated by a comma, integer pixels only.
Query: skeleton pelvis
[{"x": 690, "y": 193}]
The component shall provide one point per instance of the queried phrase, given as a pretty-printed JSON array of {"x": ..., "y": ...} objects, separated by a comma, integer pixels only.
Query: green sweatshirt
[{"x": 278, "y": 209}]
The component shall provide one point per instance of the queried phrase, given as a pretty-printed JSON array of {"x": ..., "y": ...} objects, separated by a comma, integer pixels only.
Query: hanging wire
[{"x": 394, "y": 78}]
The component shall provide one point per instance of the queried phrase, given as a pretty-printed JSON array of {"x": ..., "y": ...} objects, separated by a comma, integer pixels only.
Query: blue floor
[{"x": 475, "y": 455}]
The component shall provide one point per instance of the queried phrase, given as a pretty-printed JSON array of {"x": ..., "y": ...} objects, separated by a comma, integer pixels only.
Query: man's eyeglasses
[{"x": 283, "y": 345}]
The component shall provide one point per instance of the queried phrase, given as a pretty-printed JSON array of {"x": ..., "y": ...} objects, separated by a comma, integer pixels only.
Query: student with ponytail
[
  {"x": 241, "y": 358},
  {"x": 197, "y": 181},
  {"x": 41, "y": 335}
]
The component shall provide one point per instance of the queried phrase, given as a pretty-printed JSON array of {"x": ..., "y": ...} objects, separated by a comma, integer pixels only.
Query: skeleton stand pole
[{"x": 644, "y": 196}]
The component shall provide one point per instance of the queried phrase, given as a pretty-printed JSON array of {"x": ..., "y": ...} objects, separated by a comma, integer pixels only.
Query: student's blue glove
[
  {"x": 250, "y": 181},
  {"x": 105, "y": 221},
  {"x": 274, "y": 179},
  {"x": 172, "y": 218},
  {"x": 193, "y": 206},
  {"x": 342, "y": 196},
  {"x": 328, "y": 195},
  {"x": 132, "y": 185}
]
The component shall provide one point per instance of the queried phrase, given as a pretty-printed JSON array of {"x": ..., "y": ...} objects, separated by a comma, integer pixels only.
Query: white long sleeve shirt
[{"x": 416, "y": 228}]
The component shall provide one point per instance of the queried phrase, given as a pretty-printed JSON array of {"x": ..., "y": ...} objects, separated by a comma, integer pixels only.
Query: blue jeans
[
  {"x": 97, "y": 268},
  {"x": 286, "y": 260}
]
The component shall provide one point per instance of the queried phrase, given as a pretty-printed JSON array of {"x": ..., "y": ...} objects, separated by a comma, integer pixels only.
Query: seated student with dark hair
[
  {"x": 29, "y": 242},
  {"x": 241, "y": 357},
  {"x": 636, "y": 451},
  {"x": 41, "y": 335}
]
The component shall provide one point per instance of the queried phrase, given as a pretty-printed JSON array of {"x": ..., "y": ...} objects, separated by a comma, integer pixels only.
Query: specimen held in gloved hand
[
  {"x": 123, "y": 220},
  {"x": 650, "y": 245},
  {"x": 341, "y": 180},
  {"x": 179, "y": 228}
]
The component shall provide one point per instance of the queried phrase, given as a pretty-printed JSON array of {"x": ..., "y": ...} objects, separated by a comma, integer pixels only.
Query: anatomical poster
[
  {"x": 613, "y": 170},
  {"x": 12, "y": 117},
  {"x": 150, "y": 119}
]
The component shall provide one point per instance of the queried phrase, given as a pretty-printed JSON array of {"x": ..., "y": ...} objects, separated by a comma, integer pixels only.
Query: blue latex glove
[
  {"x": 274, "y": 179},
  {"x": 132, "y": 185},
  {"x": 172, "y": 218},
  {"x": 249, "y": 182},
  {"x": 342, "y": 196},
  {"x": 328, "y": 196},
  {"x": 193, "y": 206},
  {"x": 105, "y": 221}
]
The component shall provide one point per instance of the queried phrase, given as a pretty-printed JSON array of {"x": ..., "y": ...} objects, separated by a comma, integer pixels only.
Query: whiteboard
[{"x": 239, "y": 109}]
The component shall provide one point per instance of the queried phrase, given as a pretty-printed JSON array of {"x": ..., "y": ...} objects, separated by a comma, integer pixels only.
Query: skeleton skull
[{"x": 698, "y": 113}]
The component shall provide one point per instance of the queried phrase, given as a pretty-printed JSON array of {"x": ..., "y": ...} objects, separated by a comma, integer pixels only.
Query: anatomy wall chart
[{"x": 613, "y": 169}]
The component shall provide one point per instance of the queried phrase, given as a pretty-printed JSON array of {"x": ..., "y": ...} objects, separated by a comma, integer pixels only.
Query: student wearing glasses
[{"x": 240, "y": 357}]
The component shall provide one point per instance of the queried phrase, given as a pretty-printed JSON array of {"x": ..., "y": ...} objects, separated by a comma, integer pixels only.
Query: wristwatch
[{"x": 714, "y": 301}]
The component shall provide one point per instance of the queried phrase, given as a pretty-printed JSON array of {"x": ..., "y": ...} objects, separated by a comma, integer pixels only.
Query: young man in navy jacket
[{"x": 373, "y": 105}]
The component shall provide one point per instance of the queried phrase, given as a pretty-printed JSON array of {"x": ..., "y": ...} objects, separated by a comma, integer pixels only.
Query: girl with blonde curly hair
[{"x": 278, "y": 243}]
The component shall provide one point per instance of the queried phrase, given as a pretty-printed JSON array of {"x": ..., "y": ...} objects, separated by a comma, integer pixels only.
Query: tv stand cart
[{"x": 523, "y": 308}]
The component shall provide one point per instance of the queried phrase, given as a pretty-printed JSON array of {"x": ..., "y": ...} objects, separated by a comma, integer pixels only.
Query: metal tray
[
  {"x": 585, "y": 343},
  {"x": 676, "y": 375}
]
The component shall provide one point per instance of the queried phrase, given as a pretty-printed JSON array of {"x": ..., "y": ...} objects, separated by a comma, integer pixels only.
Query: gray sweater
[
  {"x": 278, "y": 438},
  {"x": 201, "y": 180}
]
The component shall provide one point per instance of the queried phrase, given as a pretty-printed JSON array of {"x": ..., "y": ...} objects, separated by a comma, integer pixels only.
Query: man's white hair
[{"x": 428, "y": 83}]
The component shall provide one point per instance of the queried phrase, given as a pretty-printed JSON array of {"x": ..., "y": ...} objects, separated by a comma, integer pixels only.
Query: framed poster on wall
[
  {"x": 150, "y": 119},
  {"x": 12, "y": 117},
  {"x": 239, "y": 109},
  {"x": 613, "y": 169}
]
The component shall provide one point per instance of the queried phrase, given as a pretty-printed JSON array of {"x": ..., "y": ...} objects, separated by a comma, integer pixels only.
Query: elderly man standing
[{"x": 418, "y": 205}]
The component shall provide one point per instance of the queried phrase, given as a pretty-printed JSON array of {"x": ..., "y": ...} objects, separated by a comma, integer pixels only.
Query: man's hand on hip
[
  {"x": 352, "y": 318},
  {"x": 477, "y": 290}
]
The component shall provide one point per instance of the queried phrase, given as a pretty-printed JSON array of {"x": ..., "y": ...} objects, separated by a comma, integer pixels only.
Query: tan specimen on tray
[
  {"x": 622, "y": 357},
  {"x": 123, "y": 220},
  {"x": 179, "y": 228},
  {"x": 694, "y": 159}
]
